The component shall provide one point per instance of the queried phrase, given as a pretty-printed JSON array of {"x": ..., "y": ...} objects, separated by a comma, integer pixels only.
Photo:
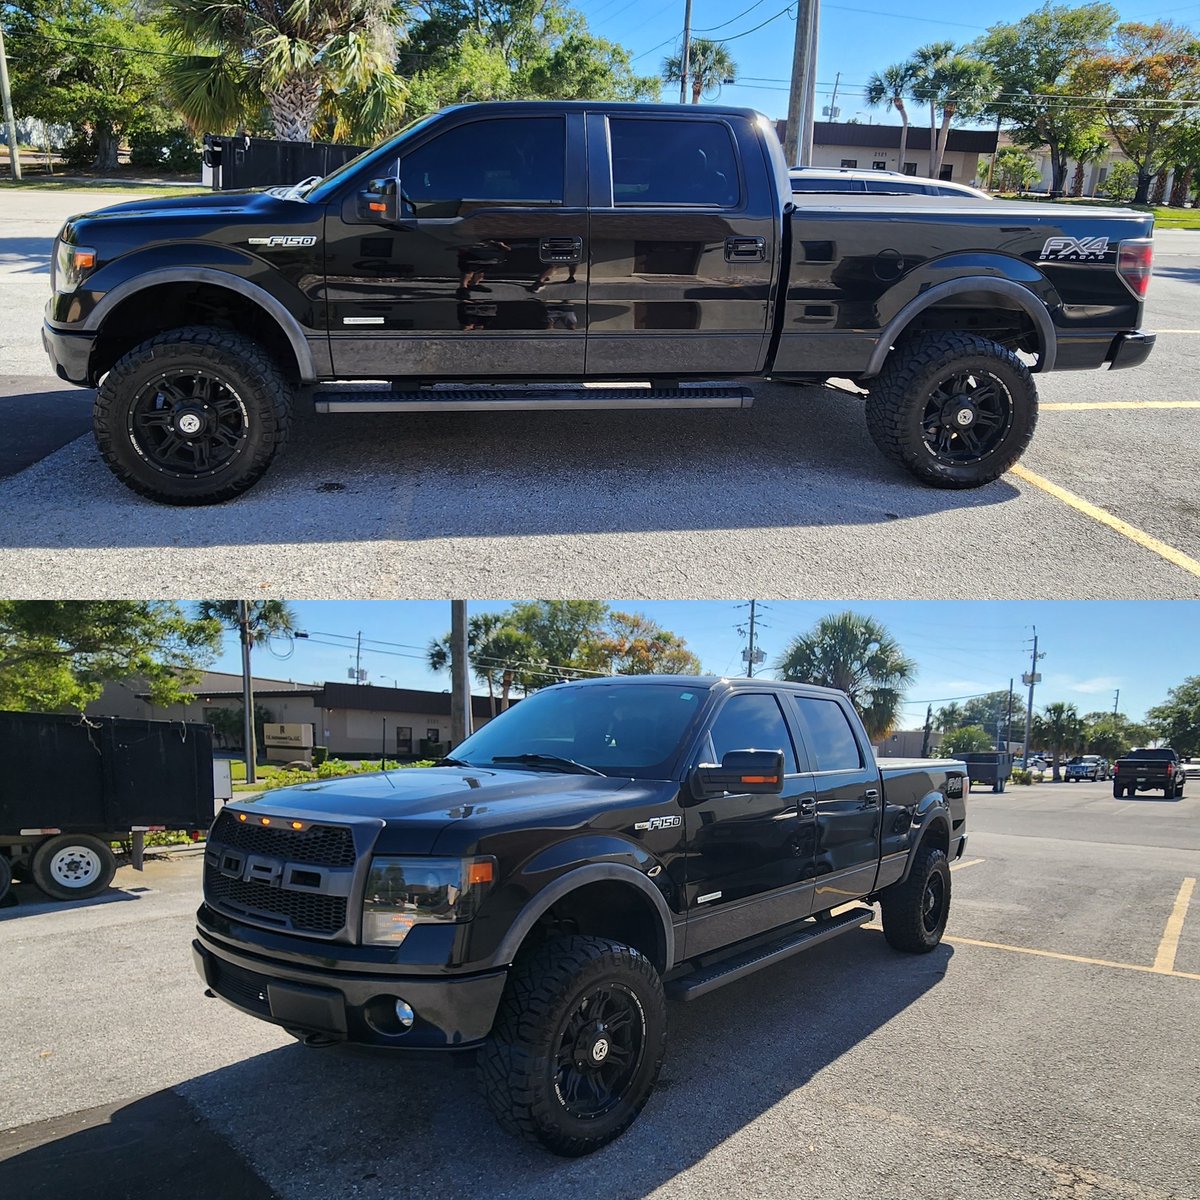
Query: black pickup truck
[
  {"x": 535, "y": 898},
  {"x": 1148, "y": 771},
  {"x": 652, "y": 248}
]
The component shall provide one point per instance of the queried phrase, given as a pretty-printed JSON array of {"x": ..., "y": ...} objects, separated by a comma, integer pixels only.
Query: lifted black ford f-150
[
  {"x": 508, "y": 244},
  {"x": 535, "y": 898}
]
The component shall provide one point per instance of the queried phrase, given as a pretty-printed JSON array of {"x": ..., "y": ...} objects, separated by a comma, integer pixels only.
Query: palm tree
[
  {"x": 267, "y": 618},
  {"x": 892, "y": 87},
  {"x": 954, "y": 83},
  {"x": 496, "y": 650},
  {"x": 709, "y": 65},
  {"x": 948, "y": 717},
  {"x": 240, "y": 55},
  {"x": 855, "y": 654},
  {"x": 1060, "y": 727},
  {"x": 924, "y": 64}
]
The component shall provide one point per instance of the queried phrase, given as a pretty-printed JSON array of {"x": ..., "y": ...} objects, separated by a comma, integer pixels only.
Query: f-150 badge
[
  {"x": 279, "y": 241},
  {"x": 659, "y": 823},
  {"x": 1077, "y": 249}
]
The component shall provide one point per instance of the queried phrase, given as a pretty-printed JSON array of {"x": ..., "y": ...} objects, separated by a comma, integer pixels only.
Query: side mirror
[
  {"x": 757, "y": 772},
  {"x": 381, "y": 201}
]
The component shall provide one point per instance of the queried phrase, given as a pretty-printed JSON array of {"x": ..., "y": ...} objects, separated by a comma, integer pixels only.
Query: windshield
[
  {"x": 619, "y": 729},
  {"x": 387, "y": 153}
]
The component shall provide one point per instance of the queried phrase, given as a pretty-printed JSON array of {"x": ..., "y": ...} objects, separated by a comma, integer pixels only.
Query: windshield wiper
[
  {"x": 452, "y": 762},
  {"x": 550, "y": 760}
]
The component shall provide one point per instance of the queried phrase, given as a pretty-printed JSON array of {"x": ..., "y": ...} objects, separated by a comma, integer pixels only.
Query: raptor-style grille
[
  {"x": 324, "y": 845},
  {"x": 303, "y": 912}
]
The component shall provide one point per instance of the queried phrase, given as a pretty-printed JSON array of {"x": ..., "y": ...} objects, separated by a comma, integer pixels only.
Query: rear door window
[
  {"x": 827, "y": 735},
  {"x": 673, "y": 163}
]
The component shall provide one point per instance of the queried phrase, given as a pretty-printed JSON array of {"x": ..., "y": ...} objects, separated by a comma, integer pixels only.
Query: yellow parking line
[
  {"x": 966, "y": 862},
  {"x": 1102, "y": 517},
  {"x": 1065, "y": 405},
  {"x": 1075, "y": 958},
  {"x": 1177, "y": 331},
  {"x": 1164, "y": 960}
]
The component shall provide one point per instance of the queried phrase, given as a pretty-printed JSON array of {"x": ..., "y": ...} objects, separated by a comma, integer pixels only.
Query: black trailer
[
  {"x": 75, "y": 784},
  {"x": 988, "y": 768}
]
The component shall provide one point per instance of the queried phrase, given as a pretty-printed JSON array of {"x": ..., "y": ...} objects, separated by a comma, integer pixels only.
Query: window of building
[
  {"x": 751, "y": 723},
  {"x": 849, "y": 162},
  {"x": 433, "y": 735},
  {"x": 878, "y": 165},
  {"x": 514, "y": 160},
  {"x": 674, "y": 162},
  {"x": 830, "y": 739},
  {"x": 946, "y": 173},
  {"x": 404, "y": 739},
  {"x": 910, "y": 168}
]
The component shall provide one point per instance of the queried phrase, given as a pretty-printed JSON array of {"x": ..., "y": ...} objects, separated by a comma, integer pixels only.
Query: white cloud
[{"x": 1087, "y": 687}]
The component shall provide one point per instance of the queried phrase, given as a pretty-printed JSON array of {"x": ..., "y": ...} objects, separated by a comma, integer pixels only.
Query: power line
[{"x": 712, "y": 28}]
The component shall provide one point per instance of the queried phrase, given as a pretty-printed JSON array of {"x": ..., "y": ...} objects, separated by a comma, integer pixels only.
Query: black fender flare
[
  {"x": 1026, "y": 300},
  {"x": 234, "y": 283},
  {"x": 545, "y": 899},
  {"x": 934, "y": 813}
]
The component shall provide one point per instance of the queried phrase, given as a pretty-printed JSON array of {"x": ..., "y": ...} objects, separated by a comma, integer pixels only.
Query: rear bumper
[
  {"x": 70, "y": 354},
  {"x": 1130, "y": 349},
  {"x": 1087, "y": 350},
  {"x": 451, "y": 1012}
]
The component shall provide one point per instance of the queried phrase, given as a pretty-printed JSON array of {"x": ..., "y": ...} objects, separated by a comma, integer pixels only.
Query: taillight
[
  {"x": 1116, "y": 767},
  {"x": 1134, "y": 262},
  {"x": 1170, "y": 769}
]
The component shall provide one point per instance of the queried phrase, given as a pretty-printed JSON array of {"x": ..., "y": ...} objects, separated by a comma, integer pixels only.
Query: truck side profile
[
  {"x": 495, "y": 246},
  {"x": 536, "y": 898}
]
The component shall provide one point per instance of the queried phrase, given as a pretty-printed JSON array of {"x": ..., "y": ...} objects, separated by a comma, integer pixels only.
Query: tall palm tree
[
  {"x": 496, "y": 650},
  {"x": 286, "y": 55},
  {"x": 892, "y": 87},
  {"x": 855, "y": 654},
  {"x": 709, "y": 65},
  {"x": 948, "y": 717},
  {"x": 267, "y": 618},
  {"x": 955, "y": 83},
  {"x": 1059, "y": 725},
  {"x": 924, "y": 65}
]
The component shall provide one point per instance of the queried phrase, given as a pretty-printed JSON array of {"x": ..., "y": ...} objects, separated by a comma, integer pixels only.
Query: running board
[
  {"x": 528, "y": 399},
  {"x": 689, "y": 987}
]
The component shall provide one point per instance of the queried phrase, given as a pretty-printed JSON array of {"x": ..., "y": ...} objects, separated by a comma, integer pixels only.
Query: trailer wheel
[
  {"x": 73, "y": 866},
  {"x": 5, "y": 876},
  {"x": 955, "y": 409}
]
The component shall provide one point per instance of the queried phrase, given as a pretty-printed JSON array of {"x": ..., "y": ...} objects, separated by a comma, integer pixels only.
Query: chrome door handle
[{"x": 808, "y": 807}]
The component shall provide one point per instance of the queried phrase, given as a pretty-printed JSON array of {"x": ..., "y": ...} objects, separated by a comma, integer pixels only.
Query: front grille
[
  {"x": 303, "y": 912},
  {"x": 323, "y": 845},
  {"x": 242, "y": 987}
]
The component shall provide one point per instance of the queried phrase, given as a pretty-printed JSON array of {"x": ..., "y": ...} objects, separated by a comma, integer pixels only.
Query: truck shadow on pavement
[
  {"x": 800, "y": 458},
  {"x": 335, "y": 1123}
]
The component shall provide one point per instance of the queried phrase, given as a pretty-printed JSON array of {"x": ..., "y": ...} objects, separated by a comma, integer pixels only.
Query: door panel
[
  {"x": 486, "y": 273},
  {"x": 684, "y": 236}
]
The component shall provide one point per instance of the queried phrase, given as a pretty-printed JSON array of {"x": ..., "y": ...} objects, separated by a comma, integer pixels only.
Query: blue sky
[
  {"x": 856, "y": 38},
  {"x": 961, "y": 647}
]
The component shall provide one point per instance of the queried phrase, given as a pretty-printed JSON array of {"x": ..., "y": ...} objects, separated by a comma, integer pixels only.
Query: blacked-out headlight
[
  {"x": 403, "y": 892},
  {"x": 72, "y": 265}
]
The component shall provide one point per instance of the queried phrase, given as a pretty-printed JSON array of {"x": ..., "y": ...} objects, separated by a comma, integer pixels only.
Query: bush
[
  {"x": 1021, "y": 776},
  {"x": 164, "y": 150},
  {"x": 79, "y": 153},
  {"x": 1122, "y": 180}
]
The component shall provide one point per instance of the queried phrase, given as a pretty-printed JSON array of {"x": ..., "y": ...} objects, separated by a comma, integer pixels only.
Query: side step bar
[
  {"x": 528, "y": 399},
  {"x": 689, "y": 987}
]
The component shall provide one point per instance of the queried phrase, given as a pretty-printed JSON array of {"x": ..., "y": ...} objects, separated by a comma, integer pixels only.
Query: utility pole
[
  {"x": 247, "y": 690},
  {"x": 14, "y": 152},
  {"x": 358, "y": 660},
  {"x": 928, "y": 730},
  {"x": 1116, "y": 701},
  {"x": 460, "y": 674},
  {"x": 798, "y": 141},
  {"x": 750, "y": 655},
  {"x": 833, "y": 113},
  {"x": 1032, "y": 679},
  {"x": 1008, "y": 718},
  {"x": 684, "y": 58}
]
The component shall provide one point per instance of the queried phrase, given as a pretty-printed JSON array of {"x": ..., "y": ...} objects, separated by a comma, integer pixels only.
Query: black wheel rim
[
  {"x": 599, "y": 1051},
  {"x": 188, "y": 423},
  {"x": 933, "y": 903},
  {"x": 967, "y": 415}
]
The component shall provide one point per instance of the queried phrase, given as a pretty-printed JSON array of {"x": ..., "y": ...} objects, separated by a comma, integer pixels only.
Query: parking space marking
[
  {"x": 1103, "y": 517},
  {"x": 1075, "y": 958},
  {"x": 1164, "y": 960},
  {"x": 1062, "y": 405},
  {"x": 966, "y": 862}
]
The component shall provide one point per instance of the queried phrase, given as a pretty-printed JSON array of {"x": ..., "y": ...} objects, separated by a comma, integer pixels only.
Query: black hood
[{"x": 215, "y": 204}]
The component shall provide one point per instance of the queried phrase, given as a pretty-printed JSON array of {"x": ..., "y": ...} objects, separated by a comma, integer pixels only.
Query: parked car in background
[
  {"x": 824, "y": 180},
  {"x": 1088, "y": 766},
  {"x": 1147, "y": 771}
]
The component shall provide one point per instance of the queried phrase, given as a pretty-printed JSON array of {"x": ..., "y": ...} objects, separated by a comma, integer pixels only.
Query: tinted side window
[
  {"x": 896, "y": 186},
  {"x": 673, "y": 162},
  {"x": 828, "y": 736},
  {"x": 518, "y": 160},
  {"x": 802, "y": 183},
  {"x": 752, "y": 723}
]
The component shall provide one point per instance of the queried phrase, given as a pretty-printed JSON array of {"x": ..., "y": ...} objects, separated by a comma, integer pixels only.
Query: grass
[{"x": 1164, "y": 217}]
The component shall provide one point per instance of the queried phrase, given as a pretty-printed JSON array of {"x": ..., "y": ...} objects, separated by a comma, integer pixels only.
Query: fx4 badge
[
  {"x": 1077, "y": 249},
  {"x": 279, "y": 241},
  {"x": 659, "y": 823},
  {"x": 954, "y": 785}
]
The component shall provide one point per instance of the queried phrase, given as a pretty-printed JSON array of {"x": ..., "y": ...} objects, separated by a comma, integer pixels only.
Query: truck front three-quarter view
[
  {"x": 537, "y": 898},
  {"x": 617, "y": 256}
]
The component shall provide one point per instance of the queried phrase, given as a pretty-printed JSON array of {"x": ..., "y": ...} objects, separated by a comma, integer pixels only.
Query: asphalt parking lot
[
  {"x": 1047, "y": 1049},
  {"x": 788, "y": 496}
]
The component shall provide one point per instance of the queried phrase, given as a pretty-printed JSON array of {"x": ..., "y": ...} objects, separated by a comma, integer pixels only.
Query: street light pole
[{"x": 1031, "y": 679}]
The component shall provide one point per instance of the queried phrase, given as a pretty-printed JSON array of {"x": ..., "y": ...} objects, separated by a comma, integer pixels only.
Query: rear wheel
[
  {"x": 1118, "y": 791},
  {"x": 955, "y": 409},
  {"x": 73, "y": 866},
  {"x": 915, "y": 911},
  {"x": 192, "y": 416}
]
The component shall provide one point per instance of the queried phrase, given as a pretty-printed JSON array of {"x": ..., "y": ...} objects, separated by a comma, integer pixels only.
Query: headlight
[
  {"x": 403, "y": 892},
  {"x": 72, "y": 265}
]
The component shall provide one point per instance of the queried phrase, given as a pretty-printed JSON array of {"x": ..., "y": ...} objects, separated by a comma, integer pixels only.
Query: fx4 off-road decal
[
  {"x": 1075, "y": 249},
  {"x": 279, "y": 241},
  {"x": 659, "y": 823}
]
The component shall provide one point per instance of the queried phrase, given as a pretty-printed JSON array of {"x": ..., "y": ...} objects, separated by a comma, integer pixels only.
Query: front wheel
[
  {"x": 192, "y": 416},
  {"x": 577, "y": 1044},
  {"x": 915, "y": 911},
  {"x": 955, "y": 409},
  {"x": 73, "y": 866}
]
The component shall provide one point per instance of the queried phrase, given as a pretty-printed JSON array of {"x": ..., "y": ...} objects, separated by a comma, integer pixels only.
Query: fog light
[{"x": 405, "y": 1014}]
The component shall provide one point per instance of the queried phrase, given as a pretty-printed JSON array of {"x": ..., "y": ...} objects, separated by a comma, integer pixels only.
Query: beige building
[
  {"x": 907, "y": 743},
  {"x": 352, "y": 720}
]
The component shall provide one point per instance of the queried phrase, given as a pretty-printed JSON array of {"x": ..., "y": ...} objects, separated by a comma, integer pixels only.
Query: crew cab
[
  {"x": 574, "y": 246},
  {"x": 536, "y": 897},
  {"x": 1149, "y": 770}
]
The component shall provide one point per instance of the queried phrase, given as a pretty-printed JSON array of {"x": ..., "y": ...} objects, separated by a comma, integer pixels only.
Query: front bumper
[
  {"x": 70, "y": 354},
  {"x": 452, "y": 1011}
]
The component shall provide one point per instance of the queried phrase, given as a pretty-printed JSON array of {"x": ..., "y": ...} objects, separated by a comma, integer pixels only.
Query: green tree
[
  {"x": 1034, "y": 63},
  {"x": 1111, "y": 735},
  {"x": 948, "y": 717},
  {"x": 709, "y": 65},
  {"x": 498, "y": 653},
  {"x": 891, "y": 87},
  {"x": 58, "y": 654},
  {"x": 239, "y": 56},
  {"x": 229, "y": 727},
  {"x": 956, "y": 85},
  {"x": 583, "y": 67},
  {"x": 855, "y": 654},
  {"x": 1122, "y": 181},
  {"x": 923, "y": 64},
  {"x": 1059, "y": 727},
  {"x": 561, "y": 634},
  {"x": 1177, "y": 720},
  {"x": 1012, "y": 171},
  {"x": 968, "y": 739},
  {"x": 633, "y": 644},
  {"x": 92, "y": 64},
  {"x": 266, "y": 618}
]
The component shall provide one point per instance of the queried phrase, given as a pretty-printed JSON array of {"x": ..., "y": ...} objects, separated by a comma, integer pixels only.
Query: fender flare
[
  {"x": 935, "y": 815},
  {"x": 235, "y": 283},
  {"x": 571, "y": 881},
  {"x": 1026, "y": 300}
]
